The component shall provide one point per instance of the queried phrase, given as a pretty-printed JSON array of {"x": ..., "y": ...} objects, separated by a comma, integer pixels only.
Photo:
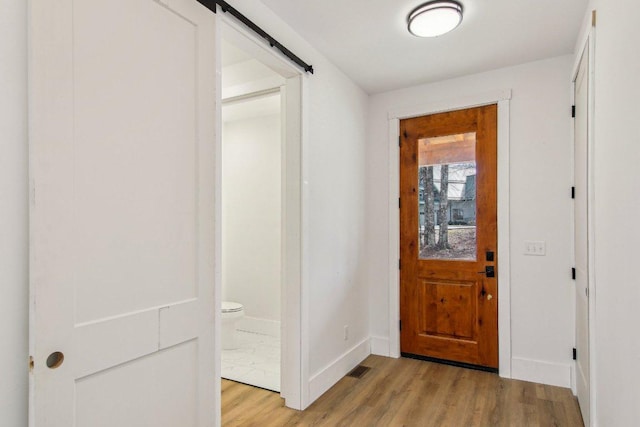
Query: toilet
[{"x": 231, "y": 313}]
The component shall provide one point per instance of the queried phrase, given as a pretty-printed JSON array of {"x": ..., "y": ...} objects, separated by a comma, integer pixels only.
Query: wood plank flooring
[{"x": 407, "y": 392}]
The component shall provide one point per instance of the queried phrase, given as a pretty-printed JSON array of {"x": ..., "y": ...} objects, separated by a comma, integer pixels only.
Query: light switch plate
[{"x": 536, "y": 248}]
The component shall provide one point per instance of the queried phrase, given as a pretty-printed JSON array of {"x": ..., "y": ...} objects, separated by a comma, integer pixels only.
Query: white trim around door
[
  {"x": 502, "y": 98},
  {"x": 294, "y": 313}
]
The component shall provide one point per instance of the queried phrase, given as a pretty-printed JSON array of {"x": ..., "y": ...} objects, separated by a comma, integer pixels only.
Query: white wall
[
  {"x": 252, "y": 214},
  {"x": 617, "y": 213},
  {"x": 334, "y": 127},
  {"x": 14, "y": 214},
  {"x": 540, "y": 208}
]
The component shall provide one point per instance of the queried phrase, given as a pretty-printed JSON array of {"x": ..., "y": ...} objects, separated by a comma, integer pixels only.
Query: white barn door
[{"x": 122, "y": 146}]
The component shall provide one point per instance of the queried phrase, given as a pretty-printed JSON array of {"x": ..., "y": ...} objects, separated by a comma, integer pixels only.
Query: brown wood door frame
[{"x": 479, "y": 345}]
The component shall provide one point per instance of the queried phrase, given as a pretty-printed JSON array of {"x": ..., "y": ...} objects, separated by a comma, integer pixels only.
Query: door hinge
[
  {"x": 399, "y": 141},
  {"x": 575, "y": 354},
  {"x": 573, "y": 273},
  {"x": 399, "y": 205},
  {"x": 399, "y": 264},
  {"x": 573, "y": 111},
  {"x": 573, "y": 192},
  {"x": 400, "y": 325}
]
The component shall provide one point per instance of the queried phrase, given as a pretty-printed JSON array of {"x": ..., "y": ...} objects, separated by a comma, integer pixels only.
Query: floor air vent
[{"x": 358, "y": 371}]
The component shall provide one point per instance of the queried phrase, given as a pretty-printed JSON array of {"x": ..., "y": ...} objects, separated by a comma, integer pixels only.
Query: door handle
[
  {"x": 489, "y": 270},
  {"x": 55, "y": 359},
  {"x": 483, "y": 293}
]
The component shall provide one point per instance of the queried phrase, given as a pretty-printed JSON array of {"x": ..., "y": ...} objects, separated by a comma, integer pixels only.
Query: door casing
[
  {"x": 295, "y": 353},
  {"x": 502, "y": 98}
]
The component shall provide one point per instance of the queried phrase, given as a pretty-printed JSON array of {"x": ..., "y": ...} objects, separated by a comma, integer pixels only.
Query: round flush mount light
[{"x": 434, "y": 18}]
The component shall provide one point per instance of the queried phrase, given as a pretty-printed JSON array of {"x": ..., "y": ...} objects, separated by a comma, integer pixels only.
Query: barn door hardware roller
[{"x": 227, "y": 8}]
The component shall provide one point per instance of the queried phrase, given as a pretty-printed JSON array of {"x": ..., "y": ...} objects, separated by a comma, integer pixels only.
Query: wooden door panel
[
  {"x": 448, "y": 305},
  {"x": 454, "y": 271},
  {"x": 448, "y": 123},
  {"x": 448, "y": 309}
]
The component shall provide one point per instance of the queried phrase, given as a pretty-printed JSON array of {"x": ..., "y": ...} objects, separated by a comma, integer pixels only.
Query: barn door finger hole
[{"x": 55, "y": 359}]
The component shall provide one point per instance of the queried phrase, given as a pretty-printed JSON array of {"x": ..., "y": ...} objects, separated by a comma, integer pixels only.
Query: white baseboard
[
  {"x": 327, "y": 377},
  {"x": 380, "y": 346},
  {"x": 536, "y": 371},
  {"x": 259, "y": 326}
]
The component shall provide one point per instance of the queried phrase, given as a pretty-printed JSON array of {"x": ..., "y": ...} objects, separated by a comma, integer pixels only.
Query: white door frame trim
[
  {"x": 294, "y": 313},
  {"x": 502, "y": 98}
]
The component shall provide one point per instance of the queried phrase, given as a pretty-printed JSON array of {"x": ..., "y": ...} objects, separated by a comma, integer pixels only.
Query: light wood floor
[{"x": 406, "y": 392}]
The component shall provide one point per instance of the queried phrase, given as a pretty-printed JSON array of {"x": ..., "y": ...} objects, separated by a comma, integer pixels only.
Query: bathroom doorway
[
  {"x": 251, "y": 233},
  {"x": 260, "y": 218}
]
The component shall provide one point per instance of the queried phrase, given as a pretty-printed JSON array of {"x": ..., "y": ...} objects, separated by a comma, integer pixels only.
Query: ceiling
[{"x": 368, "y": 39}]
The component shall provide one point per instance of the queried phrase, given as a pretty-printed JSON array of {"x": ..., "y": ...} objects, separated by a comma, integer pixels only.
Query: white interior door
[
  {"x": 122, "y": 140},
  {"x": 581, "y": 234}
]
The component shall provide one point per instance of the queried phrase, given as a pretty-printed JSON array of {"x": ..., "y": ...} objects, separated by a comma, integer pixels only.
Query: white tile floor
[{"x": 256, "y": 361}]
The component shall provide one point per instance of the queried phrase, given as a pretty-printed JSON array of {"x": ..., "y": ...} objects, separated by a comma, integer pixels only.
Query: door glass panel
[{"x": 447, "y": 198}]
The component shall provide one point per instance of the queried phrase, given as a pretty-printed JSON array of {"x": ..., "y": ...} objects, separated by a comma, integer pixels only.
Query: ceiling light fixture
[{"x": 434, "y": 18}]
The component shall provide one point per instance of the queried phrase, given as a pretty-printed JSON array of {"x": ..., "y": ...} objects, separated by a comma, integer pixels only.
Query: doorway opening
[
  {"x": 251, "y": 233},
  {"x": 502, "y": 99},
  {"x": 260, "y": 217}
]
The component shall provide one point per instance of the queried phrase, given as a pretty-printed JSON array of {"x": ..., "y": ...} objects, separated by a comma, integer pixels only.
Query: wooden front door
[{"x": 448, "y": 237}]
